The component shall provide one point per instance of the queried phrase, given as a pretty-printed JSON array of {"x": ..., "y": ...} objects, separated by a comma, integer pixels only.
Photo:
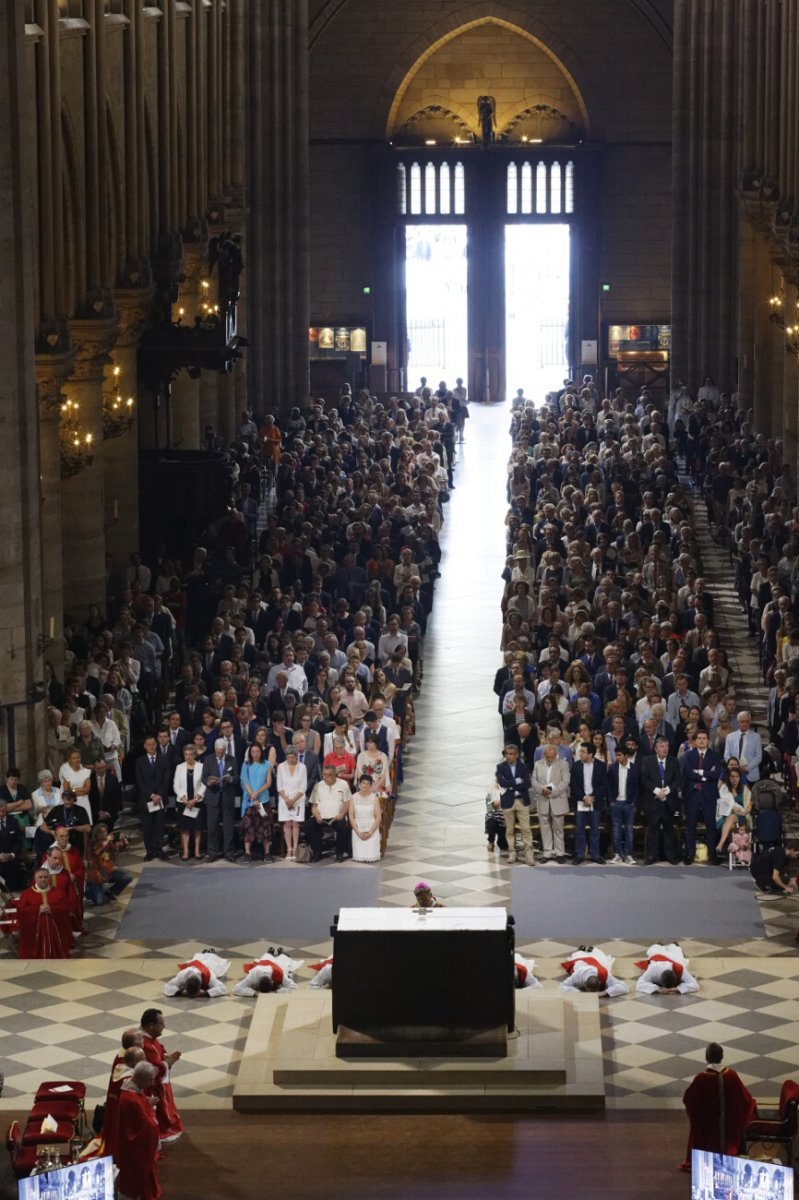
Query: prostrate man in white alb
[
  {"x": 665, "y": 969},
  {"x": 272, "y": 971},
  {"x": 589, "y": 970},
  {"x": 201, "y": 976}
]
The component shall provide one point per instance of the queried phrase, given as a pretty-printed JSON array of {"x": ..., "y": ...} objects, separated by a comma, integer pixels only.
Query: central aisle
[{"x": 437, "y": 833}]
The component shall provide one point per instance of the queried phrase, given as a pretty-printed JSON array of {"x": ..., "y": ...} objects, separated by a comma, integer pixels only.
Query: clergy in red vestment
[
  {"x": 63, "y": 882},
  {"x": 169, "y": 1122},
  {"x": 137, "y": 1137},
  {"x": 719, "y": 1108},
  {"x": 44, "y": 923},
  {"x": 126, "y": 1059}
]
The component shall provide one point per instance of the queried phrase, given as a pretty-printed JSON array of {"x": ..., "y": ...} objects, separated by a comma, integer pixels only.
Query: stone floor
[{"x": 65, "y": 1018}]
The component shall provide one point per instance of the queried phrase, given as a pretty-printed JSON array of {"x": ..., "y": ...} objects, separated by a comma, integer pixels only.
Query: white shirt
[
  {"x": 108, "y": 734},
  {"x": 622, "y": 796}
]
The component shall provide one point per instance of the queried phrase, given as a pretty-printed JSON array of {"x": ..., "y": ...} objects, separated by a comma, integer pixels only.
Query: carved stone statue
[{"x": 486, "y": 110}]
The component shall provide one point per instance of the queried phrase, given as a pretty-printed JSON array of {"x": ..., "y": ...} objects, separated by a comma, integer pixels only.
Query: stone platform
[{"x": 289, "y": 1063}]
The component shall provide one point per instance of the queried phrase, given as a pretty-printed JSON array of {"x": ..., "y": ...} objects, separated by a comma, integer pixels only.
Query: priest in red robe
[
  {"x": 45, "y": 930},
  {"x": 122, "y": 1068},
  {"x": 137, "y": 1137},
  {"x": 719, "y": 1108},
  {"x": 169, "y": 1123},
  {"x": 62, "y": 881}
]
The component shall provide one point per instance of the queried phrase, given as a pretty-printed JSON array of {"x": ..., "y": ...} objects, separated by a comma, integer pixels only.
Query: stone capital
[
  {"x": 52, "y": 371},
  {"x": 133, "y": 309},
  {"x": 94, "y": 341}
]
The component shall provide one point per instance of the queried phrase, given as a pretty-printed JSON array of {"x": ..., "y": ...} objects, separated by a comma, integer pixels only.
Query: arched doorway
[{"x": 503, "y": 213}]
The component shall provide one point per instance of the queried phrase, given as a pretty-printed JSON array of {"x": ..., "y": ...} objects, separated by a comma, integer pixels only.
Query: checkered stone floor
[{"x": 66, "y": 1018}]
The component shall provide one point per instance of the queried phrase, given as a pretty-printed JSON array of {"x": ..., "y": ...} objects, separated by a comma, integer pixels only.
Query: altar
[{"x": 431, "y": 981}]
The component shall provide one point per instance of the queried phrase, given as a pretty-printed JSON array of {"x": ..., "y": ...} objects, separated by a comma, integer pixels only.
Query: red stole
[
  {"x": 676, "y": 967},
  {"x": 205, "y": 974},
  {"x": 521, "y": 974},
  {"x": 169, "y": 1122},
  {"x": 601, "y": 971},
  {"x": 277, "y": 972}
]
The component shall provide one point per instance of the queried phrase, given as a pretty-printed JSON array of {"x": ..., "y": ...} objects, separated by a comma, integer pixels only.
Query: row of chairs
[{"x": 64, "y": 1101}]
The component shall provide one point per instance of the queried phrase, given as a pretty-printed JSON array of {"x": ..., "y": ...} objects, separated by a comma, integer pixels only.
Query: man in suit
[
  {"x": 660, "y": 798},
  {"x": 153, "y": 779},
  {"x": 282, "y": 698},
  {"x": 246, "y": 724},
  {"x": 550, "y": 790},
  {"x": 588, "y": 793},
  {"x": 10, "y": 849},
  {"x": 745, "y": 745},
  {"x": 220, "y": 779},
  {"x": 701, "y": 769},
  {"x": 309, "y": 760},
  {"x": 235, "y": 744},
  {"x": 178, "y": 735},
  {"x": 623, "y": 798},
  {"x": 105, "y": 794},
  {"x": 525, "y": 736},
  {"x": 514, "y": 781},
  {"x": 192, "y": 708}
]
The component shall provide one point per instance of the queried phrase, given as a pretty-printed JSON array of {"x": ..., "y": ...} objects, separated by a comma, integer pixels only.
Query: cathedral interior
[{"x": 223, "y": 206}]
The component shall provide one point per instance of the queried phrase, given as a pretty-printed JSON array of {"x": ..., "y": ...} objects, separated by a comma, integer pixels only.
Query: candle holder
[
  {"x": 76, "y": 446},
  {"x": 118, "y": 412}
]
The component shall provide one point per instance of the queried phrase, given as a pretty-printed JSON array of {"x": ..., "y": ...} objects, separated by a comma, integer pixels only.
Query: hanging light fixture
[
  {"x": 118, "y": 411},
  {"x": 76, "y": 446}
]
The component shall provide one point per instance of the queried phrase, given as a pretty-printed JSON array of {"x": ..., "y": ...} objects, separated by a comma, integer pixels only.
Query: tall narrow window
[
  {"x": 541, "y": 188},
  {"x": 430, "y": 188},
  {"x": 513, "y": 188},
  {"x": 460, "y": 189},
  {"x": 555, "y": 188},
  {"x": 402, "y": 201},
  {"x": 527, "y": 188},
  {"x": 569, "y": 190},
  {"x": 416, "y": 189},
  {"x": 444, "y": 184}
]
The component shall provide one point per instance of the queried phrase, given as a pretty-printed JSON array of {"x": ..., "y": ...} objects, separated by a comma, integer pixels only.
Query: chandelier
[
  {"x": 76, "y": 446},
  {"x": 118, "y": 413}
]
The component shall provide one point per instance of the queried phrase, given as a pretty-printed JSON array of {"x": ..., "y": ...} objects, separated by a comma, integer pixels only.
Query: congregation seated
[{"x": 605, "y": 601}]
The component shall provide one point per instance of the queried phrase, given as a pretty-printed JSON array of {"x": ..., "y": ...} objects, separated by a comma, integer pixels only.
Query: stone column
[
  {"x": 21, "y": 617},
  {"x": 790, "y": 384},
  {"x": 704, "y": 177},
  {"x": 83, "y": 495},
  {"x": 748, "y": 298},
  {"x": 51, "y": 371},
  {"x": 121, "y": 453},
  {"x": 277, "y": 188}
]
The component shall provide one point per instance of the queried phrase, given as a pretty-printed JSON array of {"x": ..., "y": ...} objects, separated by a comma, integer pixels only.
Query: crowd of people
[
  {"x": 254, "y": 694},
  {"x": 616, "y": 697}
]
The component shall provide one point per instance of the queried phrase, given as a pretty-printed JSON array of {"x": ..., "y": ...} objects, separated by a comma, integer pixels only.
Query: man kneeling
[
  {"x": 588, "y": 970},
  {"x": 665, "y": 969},
  {"x": 201, "y": 976}
]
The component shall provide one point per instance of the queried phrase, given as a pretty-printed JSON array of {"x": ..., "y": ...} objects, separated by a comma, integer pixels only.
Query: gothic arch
[
  {"x": 647, "y": 9},
  {"x": 471, "y": 16},
  {"x": 439, "y": 111}
]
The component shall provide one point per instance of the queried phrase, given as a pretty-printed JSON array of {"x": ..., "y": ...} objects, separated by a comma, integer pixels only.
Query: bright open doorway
[
  {"x": 536, "y": 308},
  {"x": 436, "y": 310}
]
